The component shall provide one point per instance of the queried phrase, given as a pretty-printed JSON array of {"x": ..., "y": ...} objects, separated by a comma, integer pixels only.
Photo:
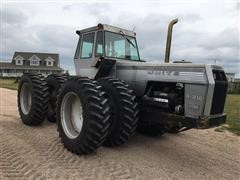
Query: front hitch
[{"x": 211, "y": 121}]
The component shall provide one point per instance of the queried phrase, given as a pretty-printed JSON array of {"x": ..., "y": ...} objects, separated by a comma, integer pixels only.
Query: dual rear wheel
[
  {"x": 82, "y": 115},
  {"x": 33, "y": 99},
  {"x": 91, "y": 113},
  {"x": 124, "y": 113},
  {"x": 88, "y": 113}
]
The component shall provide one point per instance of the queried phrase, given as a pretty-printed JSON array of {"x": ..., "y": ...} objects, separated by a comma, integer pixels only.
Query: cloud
[
  {"x": 205, "y": 32},
  {"x": 67, "y": 7},
  {"x": 12, "y": 17},
  {"x": 191, "y": 17}
]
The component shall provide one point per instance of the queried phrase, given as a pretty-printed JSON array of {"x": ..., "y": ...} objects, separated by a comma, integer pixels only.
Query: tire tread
[{"x": 129, "y": 108}]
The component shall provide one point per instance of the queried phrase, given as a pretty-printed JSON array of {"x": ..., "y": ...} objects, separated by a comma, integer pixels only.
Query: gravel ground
[{"x": 36, "y": 153}]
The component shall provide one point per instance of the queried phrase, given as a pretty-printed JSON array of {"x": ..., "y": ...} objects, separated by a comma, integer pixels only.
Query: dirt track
[{"x": 36, "y": 153}]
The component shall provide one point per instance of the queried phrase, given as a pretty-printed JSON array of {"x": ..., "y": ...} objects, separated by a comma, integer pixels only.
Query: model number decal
[
  {"x": 194, "y": 97},
  {"x": 164, "y": 73}
]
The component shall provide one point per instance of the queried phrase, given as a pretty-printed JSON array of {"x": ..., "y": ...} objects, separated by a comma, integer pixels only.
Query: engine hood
[{"x": 148, "y": 65}]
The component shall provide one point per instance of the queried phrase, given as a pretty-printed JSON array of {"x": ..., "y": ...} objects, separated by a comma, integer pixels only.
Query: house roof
[
  {"x": 42, "y": 56},
  {"x": 8, "y": 65}
]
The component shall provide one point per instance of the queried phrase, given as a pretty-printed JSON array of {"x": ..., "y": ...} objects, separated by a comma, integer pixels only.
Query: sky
[{"x": 206, "y": 32}]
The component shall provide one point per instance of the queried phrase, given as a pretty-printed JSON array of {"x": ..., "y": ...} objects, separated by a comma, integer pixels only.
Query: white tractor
[{"x": 115, "y": 91}]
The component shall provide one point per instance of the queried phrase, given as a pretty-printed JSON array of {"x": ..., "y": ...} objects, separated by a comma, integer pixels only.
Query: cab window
[
  {"x": 77, "y": 53},
  {"x": 121, "y": 46},
  {"x": 87, "y": 45},
  {"x": 99, "y": 44}
]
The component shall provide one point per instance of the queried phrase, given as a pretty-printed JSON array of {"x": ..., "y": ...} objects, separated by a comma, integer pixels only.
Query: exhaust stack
[{"x": 169, "y": 40}]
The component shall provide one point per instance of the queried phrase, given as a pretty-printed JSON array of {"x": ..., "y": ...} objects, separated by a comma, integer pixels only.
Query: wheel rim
[
  {"x": 71, "y": 115},
  {"x": 25, "y": 98}
]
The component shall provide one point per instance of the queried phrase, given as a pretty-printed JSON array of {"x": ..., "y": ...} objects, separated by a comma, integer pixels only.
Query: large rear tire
[
  {"x": 123, "y": 110},
  {"x": 82, "y": 115},
  {"x": 33, "y": 99},
  {"x": 54, "y": 83}
]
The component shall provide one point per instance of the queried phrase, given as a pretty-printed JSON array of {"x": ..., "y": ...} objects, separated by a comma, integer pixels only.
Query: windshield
[{"x": 120, "y": 46}]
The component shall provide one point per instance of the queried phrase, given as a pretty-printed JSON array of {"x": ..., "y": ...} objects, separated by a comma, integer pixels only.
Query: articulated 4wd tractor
[{"x": 115, "y": 93}]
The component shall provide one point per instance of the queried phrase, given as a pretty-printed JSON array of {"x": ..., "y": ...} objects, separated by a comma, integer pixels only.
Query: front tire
[
  {"x": 33, "y": 99},
  {"x": 123, "y": 109},
  {"x": 82, "y": 115}
]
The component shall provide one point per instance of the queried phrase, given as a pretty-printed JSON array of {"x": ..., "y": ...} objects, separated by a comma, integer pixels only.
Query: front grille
[{"x": 220, "y": 92}]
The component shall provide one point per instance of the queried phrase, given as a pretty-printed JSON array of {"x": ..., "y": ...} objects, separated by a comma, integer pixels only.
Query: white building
[
  {"x": 45, "y": 63},
  {"x": 230, "y": 77}
]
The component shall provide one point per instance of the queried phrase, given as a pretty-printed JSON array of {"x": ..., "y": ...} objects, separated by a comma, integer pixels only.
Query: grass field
[
  {"x": 9, "y": 83},
  {"x": 232, "y": 107}
]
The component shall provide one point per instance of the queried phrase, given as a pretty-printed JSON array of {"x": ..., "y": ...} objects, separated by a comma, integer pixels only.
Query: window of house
[
  {"x": 19, "y": 60},
  {"x": 34, "y": 61},
  {"x": 87, "y": 45},
  {"x": 49, "y": 63}
]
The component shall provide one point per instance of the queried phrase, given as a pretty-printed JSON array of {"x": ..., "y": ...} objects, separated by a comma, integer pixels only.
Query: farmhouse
[
  {"x": 45, "y": 63},
  {"x": 230, "y": 76}
]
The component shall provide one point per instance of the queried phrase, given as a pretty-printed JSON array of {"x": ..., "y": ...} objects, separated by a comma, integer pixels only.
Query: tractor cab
[{"x": 101, "y": 43}]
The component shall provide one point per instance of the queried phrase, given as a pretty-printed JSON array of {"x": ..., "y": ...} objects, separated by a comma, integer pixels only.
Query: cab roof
[{"x": 106, "y": 27}]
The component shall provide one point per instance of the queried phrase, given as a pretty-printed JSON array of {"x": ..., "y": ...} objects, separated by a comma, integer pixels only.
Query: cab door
[{"x": 85, "y": 56}]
